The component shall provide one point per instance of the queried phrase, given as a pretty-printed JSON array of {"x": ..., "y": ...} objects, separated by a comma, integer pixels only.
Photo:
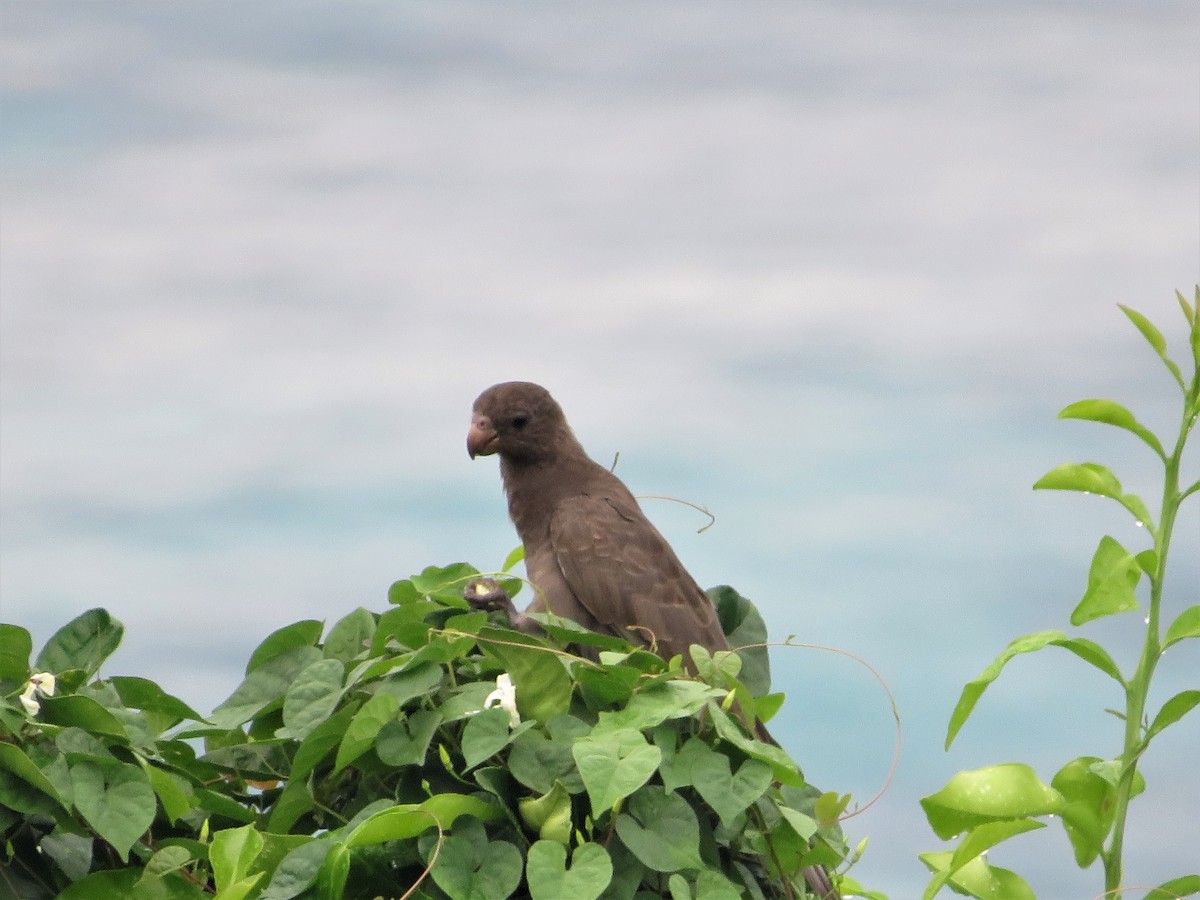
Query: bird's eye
[{"x": 519, "y": 421}]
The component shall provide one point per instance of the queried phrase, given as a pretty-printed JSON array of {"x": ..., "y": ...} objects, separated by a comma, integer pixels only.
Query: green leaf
[
  {"x": 1176, "y": 887},
  {"x": 743, "y": 626},
  {"x": 232, "y": 852},
  {"x": 404, "y": 742},
  {"x": 144, "y": 694},
  {"x": 1186, "y": 625},
  {"x": 977, "y": 879},
  {"x": 73, "y": 853},
  {"x": 517, "y": 555},
  {"x": 121, "y": 884},
  {"x": 400, "y": 823},
  {"x": 314, "y": 748},
  {"x": 543, "y": 685},
  {"x": 970, "y": 799},
  {"x": 1156, "y": 340},
  {"x": 311, "y": 698},
  {"x": 470, "y": 867},
  {"x": 661, "y": 830},
  {"x": 1110, "y": 413},
  {"x": 657, "y": 703},
  {"x": 1112, "y": 583},
  {"x": 550, "y": 879},
  {"x": 1090, "y": 478},
  {"x": 1091, "y": 804},
  {"x": 538, "y": 761},
  {"x": 783, "y": 767},
  {"x": 1086, "y": 650},
  {"x": 174, "y": 792},
  {"x": 83, "y": 643},
  {"x": 982, "y": 838},
  {"x": 82, "y": 712},
  {"x": 14, "y": 761},
  {"x": 1174, "y": 710},
  {"x": 485, "y": 734},
  {"x": 548, "y": 815},
  {"x": 265, "y": 686},
  {"x": 418, "y": 680},
  {"x": 364, "y": 728},
  {"x": 15, "y": 647},
  {"x": 350, "y": 635},
  {"x": 116, "y": 800},
  {"x": 305, "y": 633},
  {"x": 614, "y": 765},
  {"x": 728, "y": 794},
  {"x": 298, "y": 870},
  {"x": 445, "y": 584}
]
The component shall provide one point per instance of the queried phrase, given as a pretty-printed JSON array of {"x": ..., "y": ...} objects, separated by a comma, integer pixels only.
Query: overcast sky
[{"x": 827, "y": 269}]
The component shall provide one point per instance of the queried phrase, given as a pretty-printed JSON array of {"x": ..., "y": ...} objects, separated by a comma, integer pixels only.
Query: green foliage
[
  {"x": 1089, "y": 795},
  {"x": 393, "y": 756}
]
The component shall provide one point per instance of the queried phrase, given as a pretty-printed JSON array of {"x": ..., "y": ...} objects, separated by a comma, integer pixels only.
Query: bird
[{"x": 591, "y": 554}]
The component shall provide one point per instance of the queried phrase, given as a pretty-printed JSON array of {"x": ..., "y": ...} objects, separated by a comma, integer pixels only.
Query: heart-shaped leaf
[{"x": 550, "y": 879}]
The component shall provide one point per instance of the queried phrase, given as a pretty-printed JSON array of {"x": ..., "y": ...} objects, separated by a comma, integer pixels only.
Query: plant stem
[{"x": 1138, "y": 687}]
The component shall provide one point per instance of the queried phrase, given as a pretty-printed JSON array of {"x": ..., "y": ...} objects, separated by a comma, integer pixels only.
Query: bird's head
[{"x": 517, "y": 419}]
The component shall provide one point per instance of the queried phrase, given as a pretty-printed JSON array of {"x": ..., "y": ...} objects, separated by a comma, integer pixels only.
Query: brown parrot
[{"x": 590, "y": 553}]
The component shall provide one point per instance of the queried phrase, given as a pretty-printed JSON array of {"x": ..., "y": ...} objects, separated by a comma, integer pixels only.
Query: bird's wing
[{"x": 624, "y": 573}]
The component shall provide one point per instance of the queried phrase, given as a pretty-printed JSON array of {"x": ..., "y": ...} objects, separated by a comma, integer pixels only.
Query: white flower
[
  {"x": 39, "y": 683},
  {"x": 505, "y": 697}
]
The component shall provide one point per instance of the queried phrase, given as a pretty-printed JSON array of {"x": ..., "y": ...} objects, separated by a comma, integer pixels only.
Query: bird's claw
[{"x": 486, "y": 593}]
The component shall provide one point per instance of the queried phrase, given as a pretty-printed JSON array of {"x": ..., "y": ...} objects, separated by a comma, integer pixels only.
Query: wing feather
[{"x": 625, "y": 574}]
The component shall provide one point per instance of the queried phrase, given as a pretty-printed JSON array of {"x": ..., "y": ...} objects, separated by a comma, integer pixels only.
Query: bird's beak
[{"x": 481, "y": 438}]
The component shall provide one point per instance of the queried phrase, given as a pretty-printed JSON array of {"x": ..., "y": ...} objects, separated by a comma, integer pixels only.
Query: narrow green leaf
[
  {"x": 1186, "y": 625},
  {"x": 1154, "y": 337},
  {"x": 1086, "y": 650},
  {"x": 549, "y": 878},
  {"x": 976, "y": 879},
  {"x": 1112, "y": 583},
  {"x": 83, "y": 643},
  {"x": 1174, "y": 710},
  {"x": 1109, "y": 412}
]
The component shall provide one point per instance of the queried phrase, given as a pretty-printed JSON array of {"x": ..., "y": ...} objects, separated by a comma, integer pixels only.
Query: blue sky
[{"x": 829, "y": 270}]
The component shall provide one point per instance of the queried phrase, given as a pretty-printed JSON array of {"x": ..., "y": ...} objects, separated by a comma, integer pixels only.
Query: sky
[{"x": 828, "y": 270}]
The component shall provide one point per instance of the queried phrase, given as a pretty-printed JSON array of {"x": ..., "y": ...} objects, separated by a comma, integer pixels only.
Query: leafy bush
[
  {"x": 1088, "y": 795},
  {"x": 388, "y": 759}
]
